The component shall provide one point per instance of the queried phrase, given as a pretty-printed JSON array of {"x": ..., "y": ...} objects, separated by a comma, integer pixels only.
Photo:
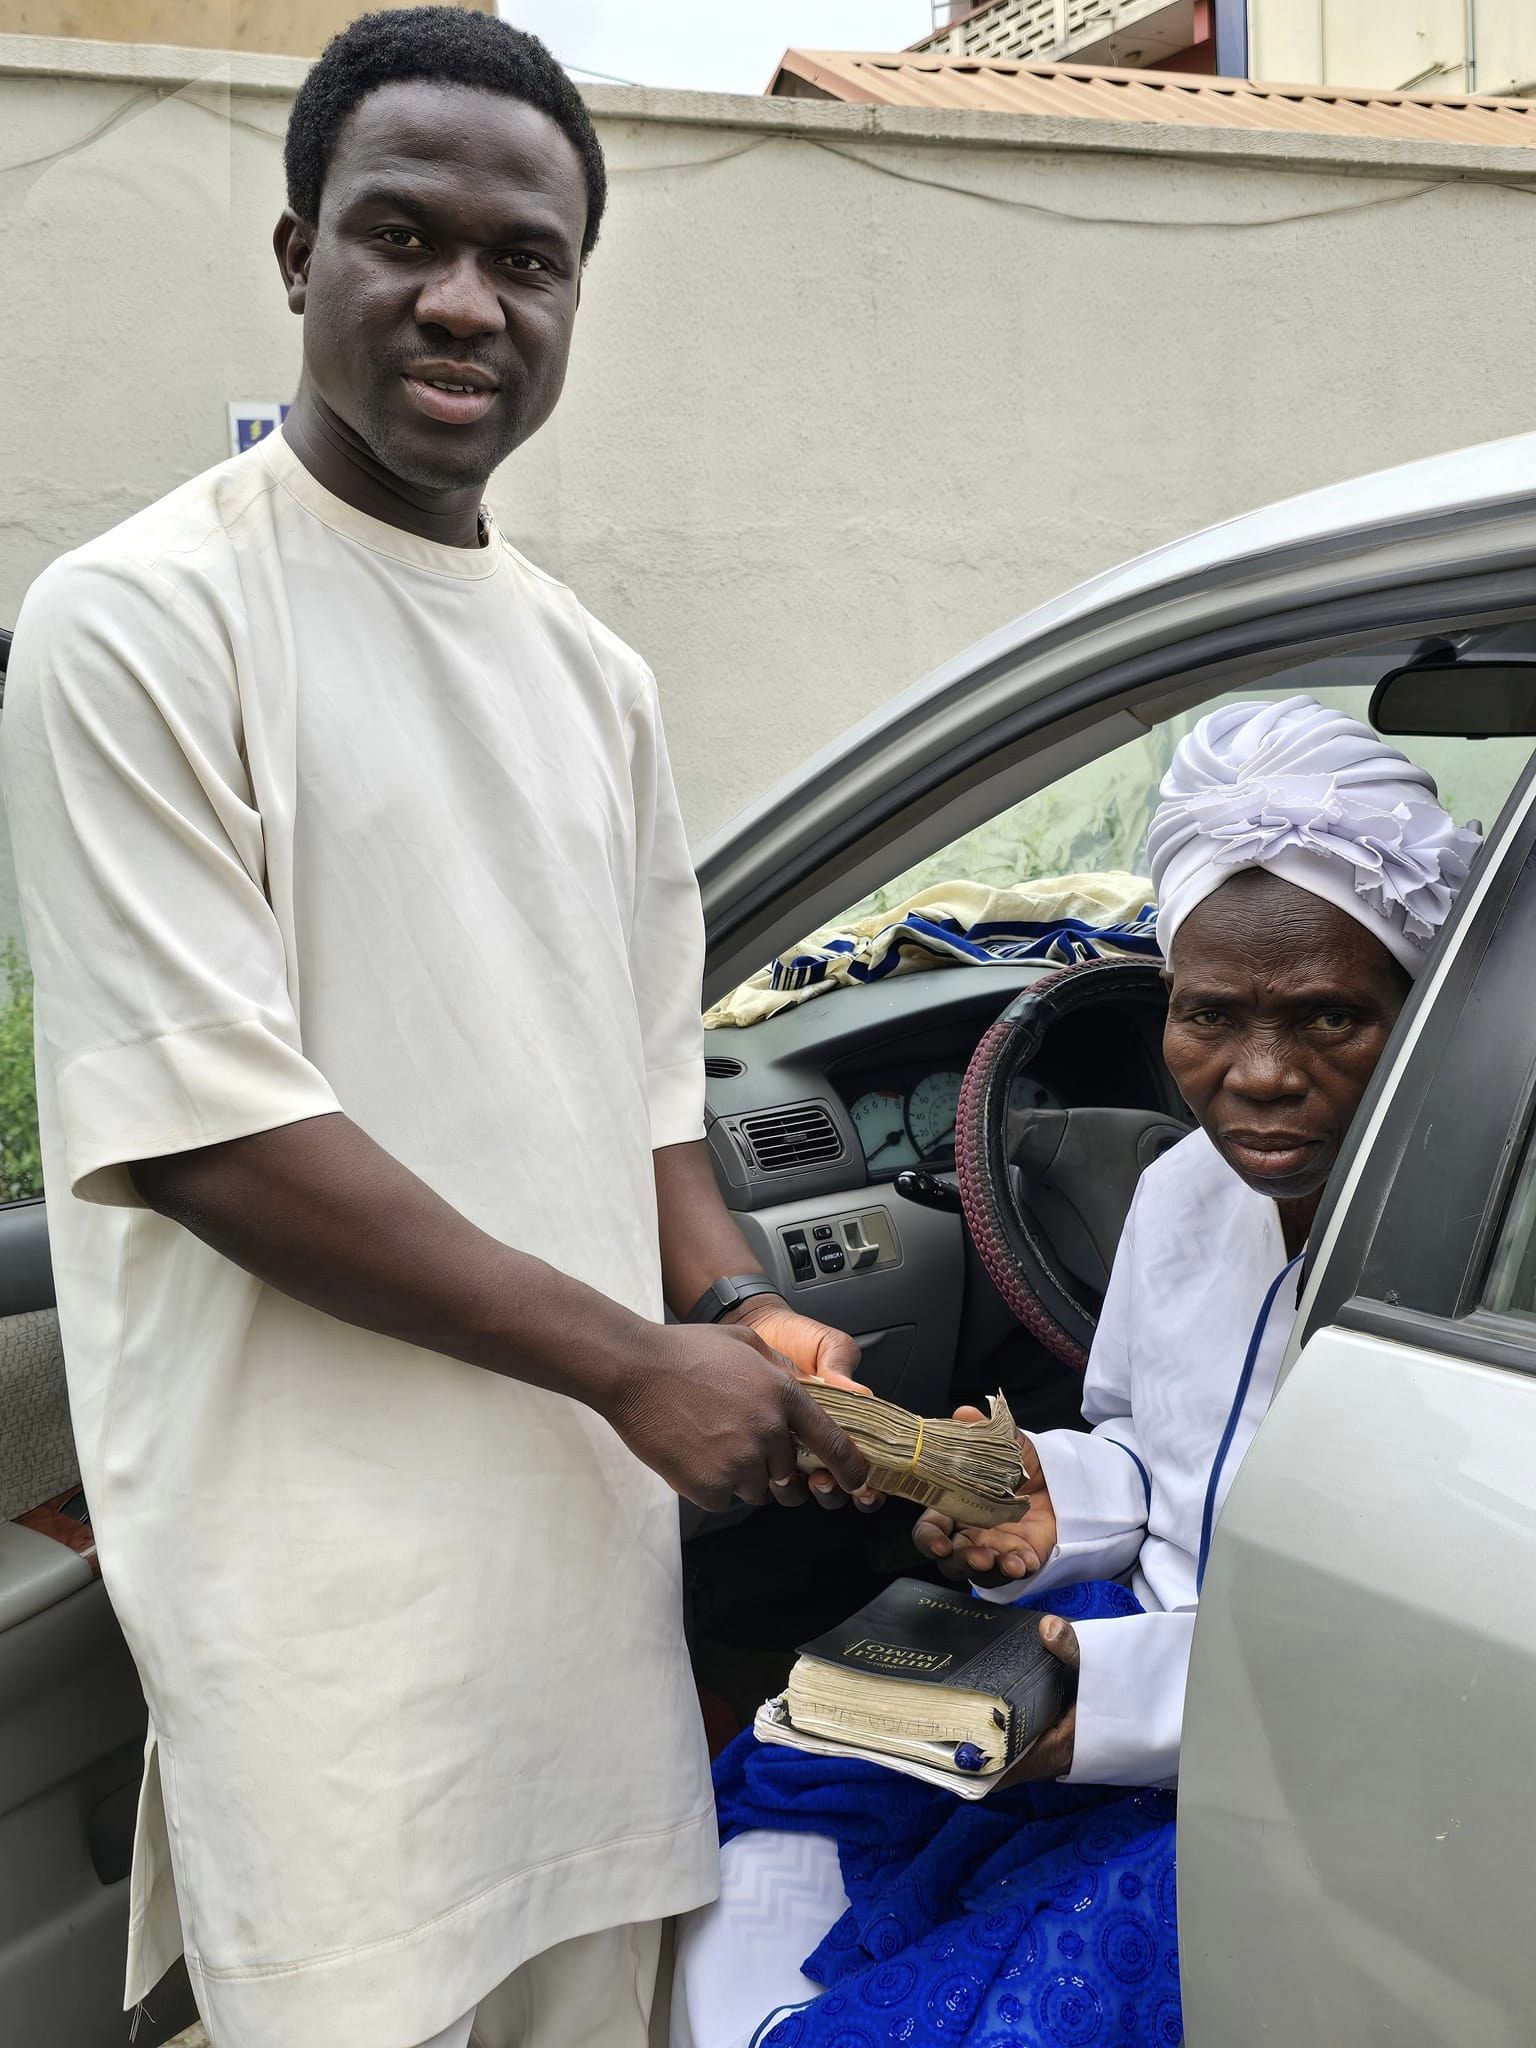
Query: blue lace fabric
[{"x": 1041, "y": 1917}]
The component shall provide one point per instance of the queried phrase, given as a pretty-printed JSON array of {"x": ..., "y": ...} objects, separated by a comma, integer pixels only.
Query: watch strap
[{"x": 721, "y": 1296}]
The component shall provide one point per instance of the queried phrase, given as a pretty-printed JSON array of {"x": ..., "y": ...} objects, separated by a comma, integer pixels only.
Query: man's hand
[
  {"x": 1011, "y": 1552},
  {"x": 721, "y": 1415},
  {"x": 815, "y": 1350},
  {"x": 1051, "y": 1756}
]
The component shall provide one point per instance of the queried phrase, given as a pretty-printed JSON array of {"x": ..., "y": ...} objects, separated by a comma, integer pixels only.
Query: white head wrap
[{"x": 1317, "y": 799}]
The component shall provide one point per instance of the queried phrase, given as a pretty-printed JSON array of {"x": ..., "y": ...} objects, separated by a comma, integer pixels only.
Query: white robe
[
  {"x": 1183, "y": 1368},
  {"x": 1182, "y": 1372}
]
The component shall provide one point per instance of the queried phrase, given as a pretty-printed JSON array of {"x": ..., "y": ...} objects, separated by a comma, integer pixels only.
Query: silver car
[{"x": 1352, "y": 1833}]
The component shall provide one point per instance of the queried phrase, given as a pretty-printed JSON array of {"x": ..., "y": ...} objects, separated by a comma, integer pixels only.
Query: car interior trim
[{"x": 1481, "y": 1337}]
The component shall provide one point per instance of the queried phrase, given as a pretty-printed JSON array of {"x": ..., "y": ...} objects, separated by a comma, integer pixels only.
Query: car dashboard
[
  {"x": 904, "y": 1108},
  {"x": 813, "y": 1113}
]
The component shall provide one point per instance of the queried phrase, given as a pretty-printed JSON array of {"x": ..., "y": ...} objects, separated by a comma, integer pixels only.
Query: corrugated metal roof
[{"x": 1094, "y": 93}]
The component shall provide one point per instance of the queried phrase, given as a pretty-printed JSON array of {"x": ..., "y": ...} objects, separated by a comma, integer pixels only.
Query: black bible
[{"x": 927, "y": 1680}]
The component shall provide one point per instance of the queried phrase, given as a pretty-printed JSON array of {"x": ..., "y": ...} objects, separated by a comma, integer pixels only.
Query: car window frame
[
  {"x": 1411, "y": 1220},
  {"x": 782, "y": 868}
]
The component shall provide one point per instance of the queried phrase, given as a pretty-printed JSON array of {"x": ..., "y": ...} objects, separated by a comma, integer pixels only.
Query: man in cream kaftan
[
  {"x": 367, "y": 955},
  {"x": 409, "y": 1631}
]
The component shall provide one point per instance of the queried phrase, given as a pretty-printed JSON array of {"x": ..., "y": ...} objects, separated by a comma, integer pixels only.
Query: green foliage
[{"x": 21, "y": 1164}]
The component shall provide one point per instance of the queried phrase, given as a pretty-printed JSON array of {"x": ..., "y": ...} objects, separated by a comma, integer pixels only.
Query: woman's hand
[
  {"x": 816, "y": 1351},
  {"x": 1051, "y": 1756},
  {"x": 1003, "y": 1556}
]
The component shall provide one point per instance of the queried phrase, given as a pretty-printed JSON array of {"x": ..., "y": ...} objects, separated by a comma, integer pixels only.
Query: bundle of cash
[{"x": 968, "y": 1470}]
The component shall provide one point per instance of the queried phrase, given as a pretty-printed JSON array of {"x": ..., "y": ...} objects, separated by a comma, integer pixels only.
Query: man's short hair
[{"x": 451, "y": 47}]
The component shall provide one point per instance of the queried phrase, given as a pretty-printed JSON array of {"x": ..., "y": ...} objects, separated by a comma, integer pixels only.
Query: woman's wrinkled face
[{"x": 1279, "y": 1008}]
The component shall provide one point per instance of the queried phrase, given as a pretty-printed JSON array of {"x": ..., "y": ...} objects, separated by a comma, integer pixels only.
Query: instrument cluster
[{"x": 909, "y": 1120}]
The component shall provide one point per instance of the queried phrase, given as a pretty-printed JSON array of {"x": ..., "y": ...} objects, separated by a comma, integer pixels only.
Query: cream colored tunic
[{"x": 309, "y": 813}]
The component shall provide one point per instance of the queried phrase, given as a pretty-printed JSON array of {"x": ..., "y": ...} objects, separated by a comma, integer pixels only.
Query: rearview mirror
[{"x": 1469, "y": 699}]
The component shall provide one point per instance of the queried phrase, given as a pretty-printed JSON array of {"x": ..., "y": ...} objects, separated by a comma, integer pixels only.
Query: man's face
[
  {"x": 1279, "y": 1008},
  {"x": 448, "y": 252}
]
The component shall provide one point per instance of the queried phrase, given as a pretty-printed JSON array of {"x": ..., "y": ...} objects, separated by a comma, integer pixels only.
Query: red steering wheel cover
[{"x": 981, "y": 1167}]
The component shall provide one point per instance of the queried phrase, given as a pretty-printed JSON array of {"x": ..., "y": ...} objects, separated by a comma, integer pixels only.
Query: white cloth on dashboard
[
  {"x": 309, "y": 812},
  {"x": 1184, "y": 1364},
  {"x": 1318, "y": 799}
]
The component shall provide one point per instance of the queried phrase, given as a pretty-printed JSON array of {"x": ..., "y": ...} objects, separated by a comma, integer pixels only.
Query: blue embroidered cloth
[
  {"x": 1062, "y": 940},
  {"x": 1041, "y": 1917}
]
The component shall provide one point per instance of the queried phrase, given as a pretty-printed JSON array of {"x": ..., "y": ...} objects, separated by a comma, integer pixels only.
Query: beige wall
[
  {"x": 300, "y": 28},
  {"x": 1395, "y": 45},
  {"x": 828, "y": 419}
]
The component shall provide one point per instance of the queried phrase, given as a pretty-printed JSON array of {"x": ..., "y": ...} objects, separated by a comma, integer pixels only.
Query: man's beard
[{"x": 462, "y": 461}]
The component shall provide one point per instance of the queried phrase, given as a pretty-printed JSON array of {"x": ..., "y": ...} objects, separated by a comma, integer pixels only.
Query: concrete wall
[
  {"x": 1396, "y": 45},
  {"x": 851, "y": 386}
]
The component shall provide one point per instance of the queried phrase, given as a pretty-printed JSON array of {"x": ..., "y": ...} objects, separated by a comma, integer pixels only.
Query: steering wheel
[{"x": 1046, "y": 1191}]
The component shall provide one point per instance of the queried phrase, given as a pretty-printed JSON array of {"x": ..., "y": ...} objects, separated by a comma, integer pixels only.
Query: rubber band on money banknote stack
[{"x": 970, "y": 1471}]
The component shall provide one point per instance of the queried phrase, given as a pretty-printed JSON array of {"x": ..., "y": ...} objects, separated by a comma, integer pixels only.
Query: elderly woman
[{"x": 1302, "y": 868}]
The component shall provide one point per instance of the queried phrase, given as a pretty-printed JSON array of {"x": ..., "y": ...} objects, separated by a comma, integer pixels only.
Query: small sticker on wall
[{"x": 251, "y": 420}]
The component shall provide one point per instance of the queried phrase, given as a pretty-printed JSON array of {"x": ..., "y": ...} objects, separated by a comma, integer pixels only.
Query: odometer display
[
  {"x": 932, "y": 1108},
  {"x": 880, "y": 1120}
]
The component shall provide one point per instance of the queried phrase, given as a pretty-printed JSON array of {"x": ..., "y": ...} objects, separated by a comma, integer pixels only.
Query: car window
[
  {"x": 1511, "y": 1284},
  {"x": 1095, "y": 819},
  {"x": 21, "y": 1166}
]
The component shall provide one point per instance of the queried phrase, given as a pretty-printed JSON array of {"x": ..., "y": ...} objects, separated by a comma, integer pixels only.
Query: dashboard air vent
[
  {"x": 789, "y": 1140},
  {"x": 719, "y": 1068}
]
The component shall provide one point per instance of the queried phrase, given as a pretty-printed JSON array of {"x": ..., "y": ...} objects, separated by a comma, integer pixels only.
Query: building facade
[
  {"x": 1134, "y": 35},
  {"x": 1473, "y": 46}
]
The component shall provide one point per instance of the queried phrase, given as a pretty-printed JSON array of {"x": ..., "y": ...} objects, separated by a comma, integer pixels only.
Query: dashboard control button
[
  {"x": 830, "y": 1258},
  {"x": 822, "y": 1233},
  {"x": 801, "y": 1265}
]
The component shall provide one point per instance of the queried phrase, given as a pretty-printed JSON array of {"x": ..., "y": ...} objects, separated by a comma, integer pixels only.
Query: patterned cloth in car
[
  {"x": 1041, "y": 1917},
  {"x": 1062, "y": 919}
]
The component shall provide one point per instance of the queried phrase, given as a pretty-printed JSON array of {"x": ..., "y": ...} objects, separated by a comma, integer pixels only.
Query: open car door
[
  {"x": 1355, "y": 1821},
  {"x": 72, "y": 1716}
]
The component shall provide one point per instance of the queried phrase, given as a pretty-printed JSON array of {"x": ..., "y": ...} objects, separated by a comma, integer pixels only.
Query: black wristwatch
[{"x": 721, "y": 1296}]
